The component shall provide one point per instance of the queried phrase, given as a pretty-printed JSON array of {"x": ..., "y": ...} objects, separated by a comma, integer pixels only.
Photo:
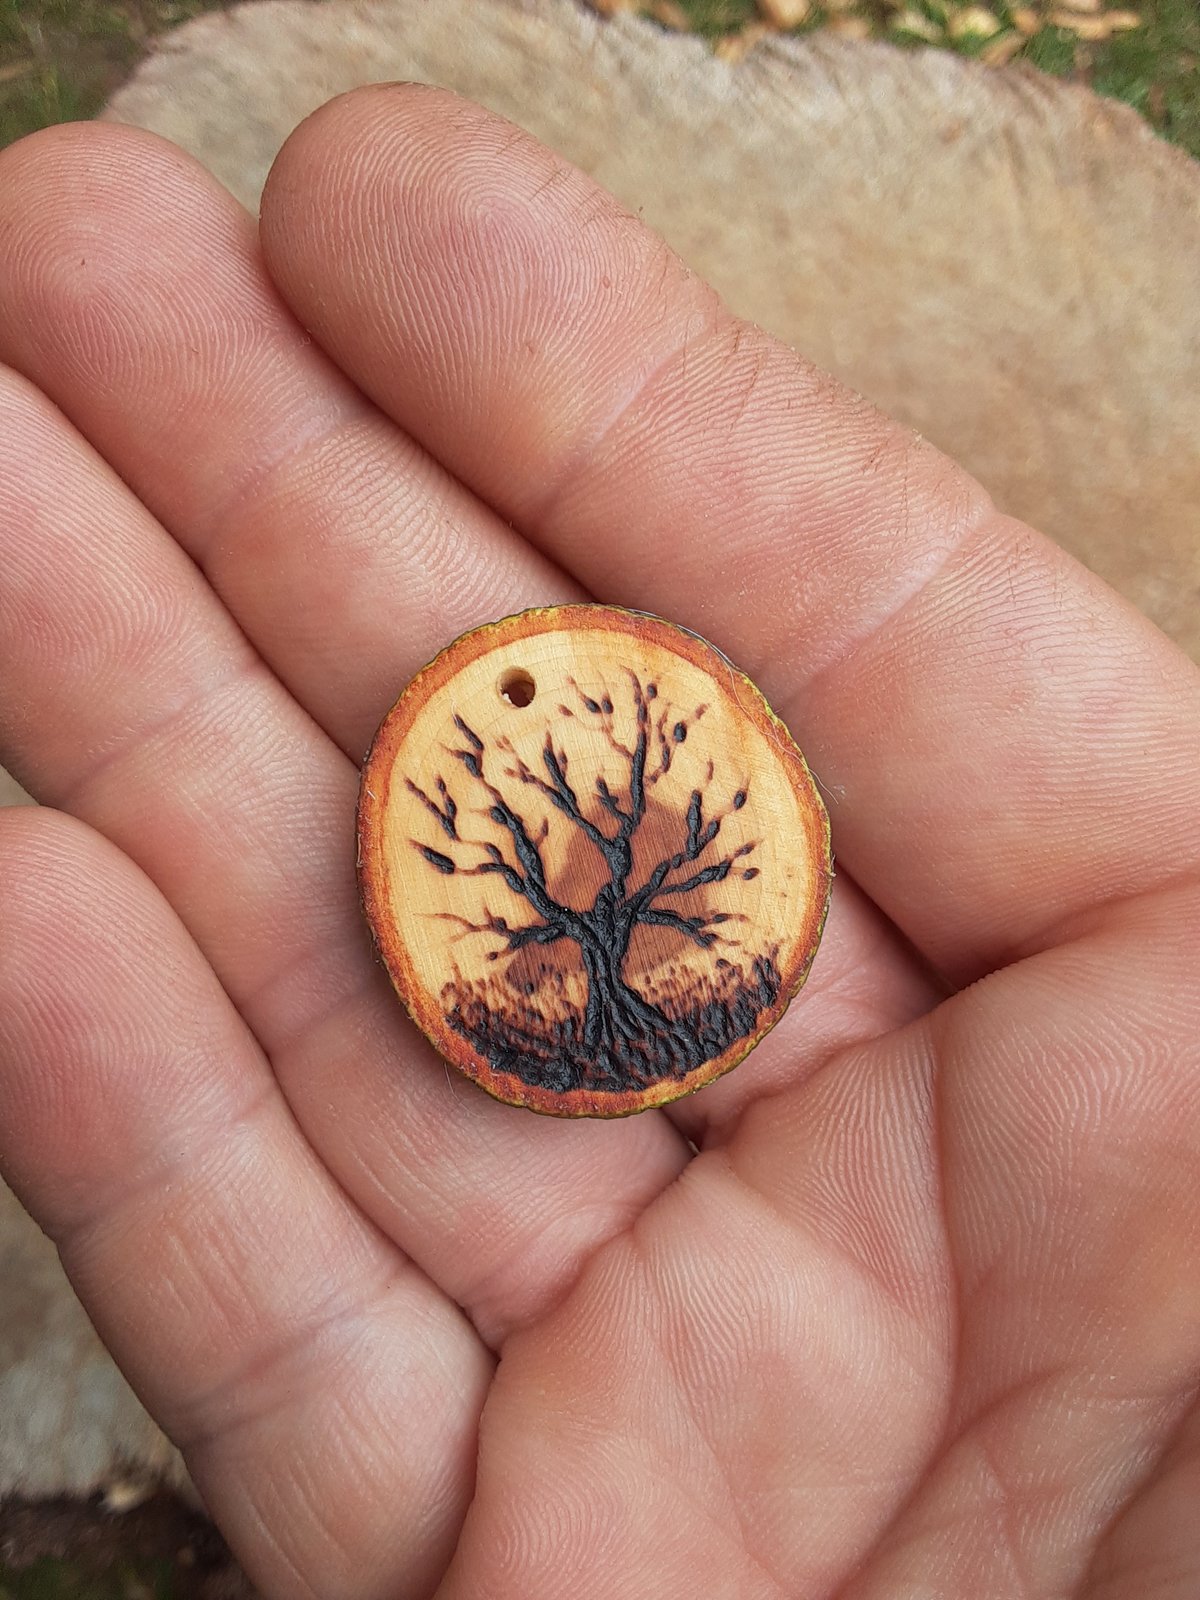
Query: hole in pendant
[{"x": 517, "y": 687}]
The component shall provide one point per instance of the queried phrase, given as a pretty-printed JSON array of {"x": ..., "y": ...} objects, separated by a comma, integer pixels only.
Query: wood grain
[{"x": 596, "y": 865}]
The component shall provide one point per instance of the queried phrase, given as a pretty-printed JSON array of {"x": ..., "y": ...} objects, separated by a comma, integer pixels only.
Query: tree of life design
[{"x": 622, "y": 1038}]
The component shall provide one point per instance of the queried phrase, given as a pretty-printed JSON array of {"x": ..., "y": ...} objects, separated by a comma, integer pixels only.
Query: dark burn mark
[
  {"x": 545, "y": 1045},
  {"x": 468, "y": 734},
  {"x": 436, "y": 859},
  {"x": 446, "y": 813}
]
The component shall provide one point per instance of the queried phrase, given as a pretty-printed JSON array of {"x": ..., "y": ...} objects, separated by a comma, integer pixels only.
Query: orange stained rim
[{"x": 373, "y": 804}]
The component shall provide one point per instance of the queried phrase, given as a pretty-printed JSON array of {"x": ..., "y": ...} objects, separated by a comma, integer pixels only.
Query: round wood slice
[{"x": 595, "y": 863}]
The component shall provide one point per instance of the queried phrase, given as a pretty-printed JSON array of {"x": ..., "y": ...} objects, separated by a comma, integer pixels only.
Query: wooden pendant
[{"x": 595, "y": 863}]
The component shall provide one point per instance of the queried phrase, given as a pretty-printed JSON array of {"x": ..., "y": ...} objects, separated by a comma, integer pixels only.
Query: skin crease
[{"x": 922, "y": 1316}]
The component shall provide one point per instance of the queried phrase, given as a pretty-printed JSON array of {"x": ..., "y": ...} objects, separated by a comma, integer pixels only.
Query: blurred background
[{"x": 60, "y": 59}]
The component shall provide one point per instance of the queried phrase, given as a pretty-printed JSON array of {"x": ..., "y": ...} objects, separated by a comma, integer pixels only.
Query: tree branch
[
  {"x": 637, "y": 765},
  {"x": 516, "y": 938},
  {"x": 528, "y": 878},
  {"x": 539, "y": 933},
  {"x": 446, "y": 813},
  {"x": 609, "y": 800},
  {"x": 700, "y": 835},
  {"x": 698, "y": 929},
  {"x": 561, "y": 794},
  {"x": 716, "y": 873}
]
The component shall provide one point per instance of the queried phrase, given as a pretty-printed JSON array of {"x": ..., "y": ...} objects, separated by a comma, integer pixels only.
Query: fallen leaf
[
  {"x": 916, "y": 22},
  {"x": 850, "y": 27},
  {"x": 734, "y": 46},
  {"x": 1096, "y": 28},
  {"x": 1001, "y": 51},
  {"x": 671, "y": 15},
  {"x": 785, "y": 13},
  {"x": 973, "y": 21}
]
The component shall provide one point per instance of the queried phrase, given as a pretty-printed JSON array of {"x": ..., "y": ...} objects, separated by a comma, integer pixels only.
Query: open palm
[{"x": 909, "y": 1305}]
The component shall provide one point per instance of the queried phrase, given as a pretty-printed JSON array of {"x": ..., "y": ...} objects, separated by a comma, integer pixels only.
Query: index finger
[{"x": 1005, "y": 741}]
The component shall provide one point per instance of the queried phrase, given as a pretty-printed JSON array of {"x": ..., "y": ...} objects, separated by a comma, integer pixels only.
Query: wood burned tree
[{"x": 622, "y": 1037}]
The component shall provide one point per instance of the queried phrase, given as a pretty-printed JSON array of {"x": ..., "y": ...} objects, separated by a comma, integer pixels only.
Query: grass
[
  {"x": 1155, "y": 68},
  {"x": 60, "y": 59},
  {"x": 51, "y": 1579}
]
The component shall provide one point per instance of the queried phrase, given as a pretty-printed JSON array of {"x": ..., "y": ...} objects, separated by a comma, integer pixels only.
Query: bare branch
[
  {"x": 609, "y": 800},
  {"x": 665, "y": 750},
  {"x": 511, "y": 876},
  {"x": 699, "y": 929},
  {"x": 446, "y": 813},
  {"x": 538, "y": 933},
  {"x": 528, "y": 877},
  {"x": 716, "y": 873},
  {"x": 603, "y": 709},
  {"x": 637, "y": 765},
  {"x": 700, "y": 834},
  {"x": 560, "y": 793},
  {"x": 469, "y": 734},
  {"x": 436, "y": 859},
  {"x": 515, "y": 938}
]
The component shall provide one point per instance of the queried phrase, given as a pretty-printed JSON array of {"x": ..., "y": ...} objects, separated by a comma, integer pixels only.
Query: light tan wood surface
[{"x": 596, "y": 865}]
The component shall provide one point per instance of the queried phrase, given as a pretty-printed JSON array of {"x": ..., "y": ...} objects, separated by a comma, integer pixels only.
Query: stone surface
[
  {"x": 69, "y": 1423},
  {"x": 1004, "y": 261},
  {"x": 11, "y": 792}
]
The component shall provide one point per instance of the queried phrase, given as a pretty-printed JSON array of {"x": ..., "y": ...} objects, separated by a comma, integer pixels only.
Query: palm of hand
[{"x": 922, "y": 1316}]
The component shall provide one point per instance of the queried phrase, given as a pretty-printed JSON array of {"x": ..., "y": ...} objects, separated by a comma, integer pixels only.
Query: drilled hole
[{"x": 517, "y": 687}]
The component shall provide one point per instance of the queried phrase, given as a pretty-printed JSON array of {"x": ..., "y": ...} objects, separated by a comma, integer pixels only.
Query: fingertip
[
  {"x": 403, "y": 218},
  {"x": 346, "y": 122},
  {"x": 423, "y": 159},
  {"x": 67, "y": 150},
  {"x": 90, "y": 216}
]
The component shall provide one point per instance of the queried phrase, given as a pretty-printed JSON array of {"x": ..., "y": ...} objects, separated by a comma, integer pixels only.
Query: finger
[
  {"x": 346, "y": 553},
  {"x": 1150, "y": 1549},
  {"x": 128, "y": 695},
  {"x": 1008, "y": 743},
  {"x": 324, "y": 1393},
  {"x": 1069, "y": 1120}
]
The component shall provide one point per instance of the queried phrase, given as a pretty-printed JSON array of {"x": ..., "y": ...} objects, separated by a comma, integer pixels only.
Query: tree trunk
[{"x": 623, "y": 1029}]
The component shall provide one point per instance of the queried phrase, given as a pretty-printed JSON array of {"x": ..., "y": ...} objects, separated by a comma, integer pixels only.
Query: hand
[{"x": 922, "y": 1317}]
